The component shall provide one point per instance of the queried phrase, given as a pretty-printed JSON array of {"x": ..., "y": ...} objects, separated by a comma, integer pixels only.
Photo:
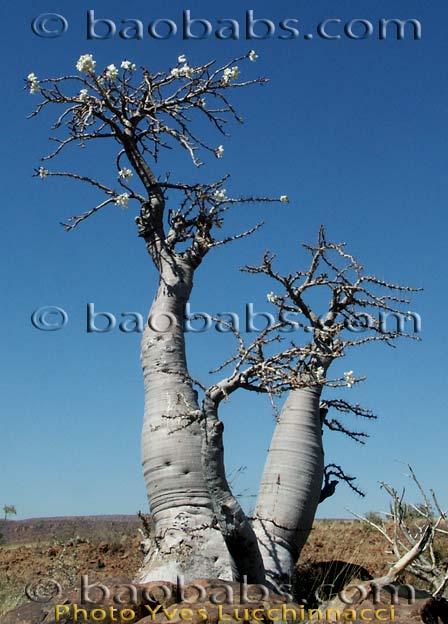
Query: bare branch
[
  {"x": 145, "y": 112},
  {"x": 411, "y": 531},
  {"x": 329, "y": 485}
]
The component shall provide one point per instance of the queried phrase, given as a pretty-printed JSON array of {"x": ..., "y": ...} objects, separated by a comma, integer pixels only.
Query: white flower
[
  {"x": 42, "y": 172},
  {"x": 122, "y": 200},
  {"x": 230, "y": 73},
  {"x": 349, "y": 379},
  {"x": 220, "y": 196},
  {"x": 127, "y": 65},
  {"x": 83, "y": 95},
  {"x": 111, "y": 72},
  {"x": 33, "y": 83},
  {"x": 219, "y": 151},
  {"x": 252, "y": 56},
  {"x": 186, "y": 71},
  {"x": 320, "y": 372},
  {"x": 284, "y": 199},
  {"x": 125, "y": 173},
  {"x": 182, "y": 58},
  {"x": 182, "y": 72},
  {"x": 86, "y": 64},
  {"x": 270, "y": 297}
]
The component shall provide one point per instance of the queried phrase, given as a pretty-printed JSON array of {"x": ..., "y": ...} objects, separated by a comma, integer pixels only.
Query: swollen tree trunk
[
  {"x": 291, "y": 484},
  {"x": 186, "y": 539}
]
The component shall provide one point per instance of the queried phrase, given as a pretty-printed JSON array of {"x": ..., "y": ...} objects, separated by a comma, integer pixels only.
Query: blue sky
[{"x": 353, "y": 131}]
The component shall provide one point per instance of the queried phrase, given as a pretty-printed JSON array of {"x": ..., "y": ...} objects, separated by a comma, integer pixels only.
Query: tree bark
[
  {"x": 291, "y": 484},
  {"x": 235, "y": 527},
  {"x": 186, "y": 539}
]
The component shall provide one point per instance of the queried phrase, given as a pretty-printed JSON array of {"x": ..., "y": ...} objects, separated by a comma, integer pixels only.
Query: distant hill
[{"x": 37, "y": 530}]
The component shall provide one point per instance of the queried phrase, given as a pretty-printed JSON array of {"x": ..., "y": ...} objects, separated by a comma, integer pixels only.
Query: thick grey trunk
[
  {"x": 291, "y": 484},
  {"x": 185, "y": 539}
]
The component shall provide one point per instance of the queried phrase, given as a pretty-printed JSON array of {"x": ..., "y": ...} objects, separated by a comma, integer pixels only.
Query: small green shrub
[{"x": 375, "y": 517}]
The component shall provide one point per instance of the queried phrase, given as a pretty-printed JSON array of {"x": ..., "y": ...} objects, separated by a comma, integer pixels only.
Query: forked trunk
[
  {"x": 291, "y": 484},
  {"x": 186, "y": 540}
]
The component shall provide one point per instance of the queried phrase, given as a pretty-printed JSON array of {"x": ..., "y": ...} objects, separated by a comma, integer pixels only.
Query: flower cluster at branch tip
[
  {"x": 42, "y": 172},
  {"x": 122, "y": 200},
  {"x": 111, "y": 72},
  {"x": 86, "y": 64},
  {"x": 219, "y": 151},
  {"x": 83, "y": 95},
  {"x": 182, "y": 58},
  {"x": 320, "y": 373},
  {"x": 128, "y": 66},
  {"x": 230, "y": 73},
  {"x": 220, "y": 195},
  {"x": 284, "y": 199},
  {"x": 125, "y": 173},
  {"x": 349, "y": 379},
  {"x": 252, "y": 56},
  {"x": 182, "y": 72},
  {"x": 270, "y": 297},
  {"x": 33, "y": 83}
]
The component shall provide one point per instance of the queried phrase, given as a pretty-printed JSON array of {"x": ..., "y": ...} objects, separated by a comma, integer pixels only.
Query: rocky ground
[{"x": 107, "y": 549}]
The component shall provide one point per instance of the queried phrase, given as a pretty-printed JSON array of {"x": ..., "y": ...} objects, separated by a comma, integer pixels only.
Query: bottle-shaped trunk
[
  {"x": 185, "y": 541},
  {"x": 291, "y": 484}
]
